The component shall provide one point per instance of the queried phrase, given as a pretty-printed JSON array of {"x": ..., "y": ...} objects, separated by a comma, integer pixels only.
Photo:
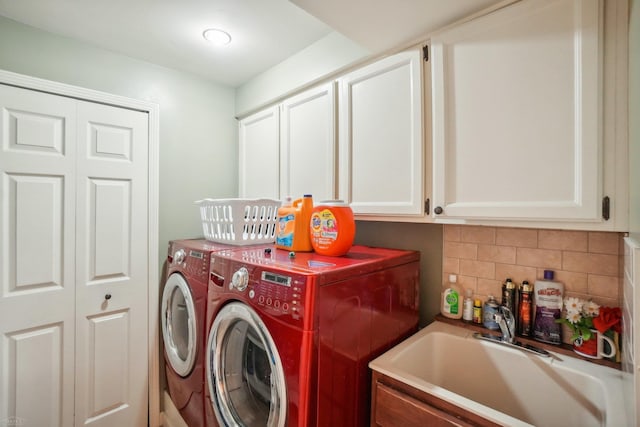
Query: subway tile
[
  {"x": 606, "y": 265},
  {"x": 520, "y": 237},
  {"x": 587, "y": 263},
  {"x": 544, "y": 258},
  {"x": 468, "y": 282},
  {"x": 451, "y": 265},
  {"x": 605, "y": 302},
  {"x": 493, "y": 253},
  {"x": 480, "y": 269},
  {"x": 451, "y": 233},
  {"x": 604, "y": 243},
  {"x": 488, "y": 287},
  {"x": 462, "y": 281},
  {"x": 604, "y": 286},
  {"x": 572, "y": 281},
  {"x": 584, "y": 296},
  {"x": 563, "y": 240},
  {"x": 517, "y": 273},
  {"x": 478, "y": 234},
  {"x": 460, "y": 250}
]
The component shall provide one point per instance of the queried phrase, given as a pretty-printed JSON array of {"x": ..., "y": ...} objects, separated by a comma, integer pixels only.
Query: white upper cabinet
[
  {"x": 381, "y": 144},
  {"x": 289, "y": 149},
  {"x": 517, "y": 98},
  {"x": 259, "y": 154},
  {"x": 308, "y": 144}
]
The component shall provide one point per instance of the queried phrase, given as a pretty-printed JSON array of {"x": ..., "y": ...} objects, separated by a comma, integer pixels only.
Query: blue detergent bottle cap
[{"x": 548, "y": 275}]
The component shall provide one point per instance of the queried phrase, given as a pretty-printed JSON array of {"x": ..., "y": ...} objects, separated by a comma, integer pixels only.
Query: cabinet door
[
  {"x": 259, "y": 154},
  {"x": 308, "y": 144},
  {"x": 381, "y": 144},
  {"x": 517, "y": 113}
]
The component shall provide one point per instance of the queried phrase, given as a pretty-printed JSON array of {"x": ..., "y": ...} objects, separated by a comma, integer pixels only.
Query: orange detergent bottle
[
  {"x": 332, "y": 228},
  {"x": 293, "y": 220}
]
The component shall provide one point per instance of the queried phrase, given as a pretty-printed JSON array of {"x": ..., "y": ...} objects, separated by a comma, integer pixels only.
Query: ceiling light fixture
[{"x": 216, "y": 37}]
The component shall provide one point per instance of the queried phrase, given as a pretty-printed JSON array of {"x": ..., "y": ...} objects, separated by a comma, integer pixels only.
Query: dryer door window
[
  {"x": 244, "y": 371},
  {"x": 179, "y": 324}
]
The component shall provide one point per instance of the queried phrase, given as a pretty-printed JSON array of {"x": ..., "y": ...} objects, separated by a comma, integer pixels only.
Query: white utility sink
[{"x": 505, "y": 385}]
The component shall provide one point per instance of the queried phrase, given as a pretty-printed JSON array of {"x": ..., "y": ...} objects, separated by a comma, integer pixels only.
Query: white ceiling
[
  {"x": 169, "y": 32},
  {"x": 379, "y": 25},
  {"x": 265, "y": 32}
]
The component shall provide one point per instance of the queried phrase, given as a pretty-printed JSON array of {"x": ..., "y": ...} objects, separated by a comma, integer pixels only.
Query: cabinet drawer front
[{"x": 394, "y": 408}]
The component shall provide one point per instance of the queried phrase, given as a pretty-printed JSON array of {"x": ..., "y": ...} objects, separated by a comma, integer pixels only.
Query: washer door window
[
  {"x": 244, "y": 371},
  {"x": 179, "y": 324}
]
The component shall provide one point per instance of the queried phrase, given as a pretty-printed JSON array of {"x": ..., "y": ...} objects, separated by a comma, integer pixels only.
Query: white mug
[{"x": 594, "y": 347}]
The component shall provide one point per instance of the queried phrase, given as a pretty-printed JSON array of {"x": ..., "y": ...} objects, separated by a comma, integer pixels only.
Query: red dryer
[
  {"x": 290, "y": 335},
  {"x": 183, "y": 311}
]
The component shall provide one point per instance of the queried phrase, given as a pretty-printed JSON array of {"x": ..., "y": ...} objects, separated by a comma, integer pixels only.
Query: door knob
[
  {"x": 438, "y": 210},
  {"x": 107, "y": 297}
]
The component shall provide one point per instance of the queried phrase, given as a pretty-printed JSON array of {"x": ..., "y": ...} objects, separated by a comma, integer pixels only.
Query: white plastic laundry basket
[{"x": 239, "y": 221}]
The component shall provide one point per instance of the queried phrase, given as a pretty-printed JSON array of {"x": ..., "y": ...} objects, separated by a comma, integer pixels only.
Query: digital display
[
  {"x": 196, "y": 254},
  {"x": 276, "y": 278}
]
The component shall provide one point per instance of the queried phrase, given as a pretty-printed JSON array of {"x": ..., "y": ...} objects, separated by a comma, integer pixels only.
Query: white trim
[
  {"x": 171, "y": 416},
  {"x": 153, "y": 110}
]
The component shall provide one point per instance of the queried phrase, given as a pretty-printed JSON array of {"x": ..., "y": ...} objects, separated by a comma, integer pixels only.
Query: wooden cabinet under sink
[{"x": 396, "y": 404}]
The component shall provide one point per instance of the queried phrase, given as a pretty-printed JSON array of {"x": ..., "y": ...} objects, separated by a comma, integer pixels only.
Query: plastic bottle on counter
[
  {"x": 477, "y": 312},
  {"x": 293, "y": 218},
  {"x": 490, "y": 308},
  {"x": 525, "y": 309},
  {"x": 452, "y": 299},
  {"x": 467, "y": 306},
  {"x": 332, "y": 228},
  {"x": 548, "y": 299}
]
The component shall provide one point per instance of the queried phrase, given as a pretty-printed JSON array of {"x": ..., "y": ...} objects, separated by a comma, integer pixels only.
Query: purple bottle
[{"x": 548, "y": 299}]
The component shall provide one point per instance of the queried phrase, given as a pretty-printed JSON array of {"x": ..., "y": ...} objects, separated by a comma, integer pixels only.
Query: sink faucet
[{"x": 506, "y": 321}]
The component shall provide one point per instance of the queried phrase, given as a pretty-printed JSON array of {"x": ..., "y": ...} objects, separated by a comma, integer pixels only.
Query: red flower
[{"x": 608, "y": 318}]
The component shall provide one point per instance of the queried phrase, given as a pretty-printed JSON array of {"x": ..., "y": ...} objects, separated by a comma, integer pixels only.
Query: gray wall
[
  {"x": 198, "y": 132},
  {"x": 425, "y": 238},
  {"x": 324, "y": 57}
]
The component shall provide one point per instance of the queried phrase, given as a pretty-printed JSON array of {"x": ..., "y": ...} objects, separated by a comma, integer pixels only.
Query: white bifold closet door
[{"x": 73, "y": 261}]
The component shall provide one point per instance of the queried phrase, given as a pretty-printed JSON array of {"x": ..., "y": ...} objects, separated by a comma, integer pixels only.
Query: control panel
[
  {"x": 276, "y": 293},
  {"x": 192, "y": 262}
]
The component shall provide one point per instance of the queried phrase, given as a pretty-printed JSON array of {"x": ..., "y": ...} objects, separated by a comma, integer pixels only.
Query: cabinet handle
[
  {"x": 438, "y": 210},
  {"x": 107, "y": 297}
]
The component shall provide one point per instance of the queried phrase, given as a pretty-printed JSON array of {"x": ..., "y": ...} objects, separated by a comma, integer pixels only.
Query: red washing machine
[
  {"x": 183, "y": 311},
  {"x": 290, "y": 337}
]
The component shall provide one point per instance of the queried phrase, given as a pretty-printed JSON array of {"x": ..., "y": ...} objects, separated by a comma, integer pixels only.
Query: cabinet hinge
[
  {"x": 426, "y": 206},
  {"x": 605, "y": 208},
  {"x": 425, "y": 52}
]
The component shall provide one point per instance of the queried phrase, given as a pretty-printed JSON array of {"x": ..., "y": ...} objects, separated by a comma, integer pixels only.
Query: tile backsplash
[{"x": 589, "y": 264}]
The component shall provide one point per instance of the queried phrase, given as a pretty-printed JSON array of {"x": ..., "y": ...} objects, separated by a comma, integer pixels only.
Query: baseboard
[{"x": 170, "y": 416}]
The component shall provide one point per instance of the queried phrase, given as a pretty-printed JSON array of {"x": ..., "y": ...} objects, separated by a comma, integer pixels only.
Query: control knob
[
  {"x": 179, "y": 256},
  {"x": 240, "y": 279}
]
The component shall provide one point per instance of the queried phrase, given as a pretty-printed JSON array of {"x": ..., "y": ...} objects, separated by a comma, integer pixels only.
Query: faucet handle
[
  {"x": 506, "y": 321},
  {"x": 507, "y": 313}
]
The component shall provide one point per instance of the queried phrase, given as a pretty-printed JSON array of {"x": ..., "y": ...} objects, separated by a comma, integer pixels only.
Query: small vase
[{"x": 594, "y": 347}]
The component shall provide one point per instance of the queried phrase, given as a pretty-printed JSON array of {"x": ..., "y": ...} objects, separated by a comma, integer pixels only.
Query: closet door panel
[
  {"x": 37, "y": 219},
  {"x": 37, "y": 277},
  {"x": 111, "y": 264},
  {"x": 110, "y": 229},
  {"x": 36, "y": 388}
]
